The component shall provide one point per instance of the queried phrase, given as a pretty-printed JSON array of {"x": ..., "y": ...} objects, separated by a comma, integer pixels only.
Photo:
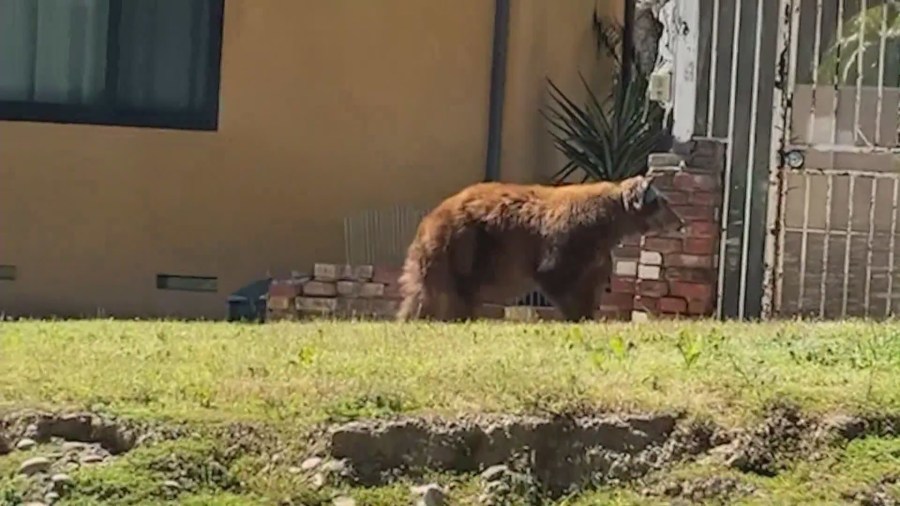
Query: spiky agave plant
[{"x": 607, "y": 139}]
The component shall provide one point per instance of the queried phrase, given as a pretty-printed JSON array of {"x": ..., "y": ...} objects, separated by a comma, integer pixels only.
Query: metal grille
[
  {"x": 834, "y": 250},
  {"x": 824, "y": 92},
  {"x": 840, "y": 244},
  {"x": 381, "y": 236}
]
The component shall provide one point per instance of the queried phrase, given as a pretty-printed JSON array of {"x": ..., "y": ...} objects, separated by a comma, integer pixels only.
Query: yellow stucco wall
[{"x": 326, "y": 108}]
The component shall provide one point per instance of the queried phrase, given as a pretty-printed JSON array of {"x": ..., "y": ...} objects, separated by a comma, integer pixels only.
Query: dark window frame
[{"x": 106, "y": 113}]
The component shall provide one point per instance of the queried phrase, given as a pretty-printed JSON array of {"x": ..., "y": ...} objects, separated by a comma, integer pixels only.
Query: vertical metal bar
[
  {"x": 817, "y": 47},
  {"x": 859, "y": 69},
  {"x": 751, "y": 162},
  {"x": 729, "y": 149},
  {"x": 888, "y": 307},
  {"x": 848, "y": 239},
  {"x": 804, "y": 242},
  {"x": 835, "y": 100},
  {"x": 879, "y": 106},
  {"x": 828, "y": 194},
  {"x": 347, "y": 239},
  {"x": 785, "y": 84},
  {"x": 497, "y": 90},
  {"x": 685, "y": 72},
  {"x": 713, "y": 64},
  {"x": 869, "y": 243}
]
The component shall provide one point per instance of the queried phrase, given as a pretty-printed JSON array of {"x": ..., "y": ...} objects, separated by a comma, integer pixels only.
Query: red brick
[
  {"x": 490, "y": 311},
  {"x": 548, "y": 314},
  {"x": 678, "y": 198},
  {"x": 279, "y": 303},
  {"x": 692, "y": 291},
  {"x": 371, "y": 290},
  {"x": 652, "y": 288},
  {"x": 702, "y": 228},
  {"x": 672, "y": 305},
  {"x": 694, "y": 212},
  {"x": 327, "y": 272},
  {"x": 316, "y": 304},
  {"x": 621, "y": 284},
  {"x": 693, "y": 275},
  {"x": 367, "y": 308},
  {"x": 348, "y": 288},
  {"x": 662, "y": 245},
  {"x": 320, "y": 289},
  {"x": 386, "y": 274},
  {"x": 686, "y": 181},
  {"x": 700, "y": 245},
  {"x": 692, "y": 261},
  {"x": 619, "y": 300},
  {"x": 709, "y": 199},
  {"x": 665, "y": 181},
  {"x": 648, "y": 304},
  {"x": 361, "y": 272},
  {"x": 700, "y": 307},
  {"x": 285, "y": 288}
]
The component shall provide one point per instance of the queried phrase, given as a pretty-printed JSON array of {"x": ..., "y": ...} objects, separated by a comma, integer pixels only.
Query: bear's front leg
[{"x": 573, "y": 291}]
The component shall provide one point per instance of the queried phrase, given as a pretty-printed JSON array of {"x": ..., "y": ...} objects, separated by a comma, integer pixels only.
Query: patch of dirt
[
  {"x": 565, "y": 453},
  {"x": 114, "y": 436},
  {"x": 67, "y": 442}
]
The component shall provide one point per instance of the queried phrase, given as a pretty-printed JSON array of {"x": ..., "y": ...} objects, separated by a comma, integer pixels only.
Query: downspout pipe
[
  {"x": 498, "y": 90},
  {"x": 627, "y": 40}
]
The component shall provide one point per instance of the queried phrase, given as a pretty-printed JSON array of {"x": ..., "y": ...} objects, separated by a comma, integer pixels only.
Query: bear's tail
[{"x": 411, "y": 285}]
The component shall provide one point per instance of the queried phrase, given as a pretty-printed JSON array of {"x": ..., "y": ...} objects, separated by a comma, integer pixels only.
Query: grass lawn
[{"x": 289, "y": 377}]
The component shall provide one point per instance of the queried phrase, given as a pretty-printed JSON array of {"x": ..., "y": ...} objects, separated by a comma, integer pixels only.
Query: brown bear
[{"x": 492, "y": 242}]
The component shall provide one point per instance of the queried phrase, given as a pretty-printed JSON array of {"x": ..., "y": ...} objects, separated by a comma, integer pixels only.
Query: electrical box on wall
[{"x": 659, "y": 87}]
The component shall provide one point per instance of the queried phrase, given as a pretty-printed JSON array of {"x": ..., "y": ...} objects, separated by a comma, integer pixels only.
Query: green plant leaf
[{"x": 608, "y": 139}]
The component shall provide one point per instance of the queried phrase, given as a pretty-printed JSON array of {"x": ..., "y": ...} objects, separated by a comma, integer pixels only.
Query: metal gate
[{"x": 833, "y": 250}]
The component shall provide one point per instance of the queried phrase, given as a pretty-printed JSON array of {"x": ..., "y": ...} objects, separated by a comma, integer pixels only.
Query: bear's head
[{"x": 648, "y": 209}]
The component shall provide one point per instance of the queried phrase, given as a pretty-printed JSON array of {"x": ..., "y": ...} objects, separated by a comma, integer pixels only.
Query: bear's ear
[{"x": 637, "y": 193}]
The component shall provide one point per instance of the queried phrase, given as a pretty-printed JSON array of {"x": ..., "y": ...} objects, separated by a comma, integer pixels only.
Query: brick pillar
[{"x": 672, "y": 273}]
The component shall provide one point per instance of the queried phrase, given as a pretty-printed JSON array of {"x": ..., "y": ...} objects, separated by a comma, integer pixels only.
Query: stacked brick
[
  {"x": 674, "y": 273},
  {"x": 335, "y": 290}
]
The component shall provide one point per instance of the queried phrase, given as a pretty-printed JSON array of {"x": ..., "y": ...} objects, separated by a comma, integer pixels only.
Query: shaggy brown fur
[{"x": 492, "y": 242}]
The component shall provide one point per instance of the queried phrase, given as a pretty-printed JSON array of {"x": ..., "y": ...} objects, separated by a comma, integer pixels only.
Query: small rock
[
  {"x": 172, "y": 484},
  {"x": 34, "y": 465},
  {"x": 847, "y": 427},
  {"x": 32, "y": 431},
  {"x": 294, "y": 470},
  {"x": 429, "y": 495},
  {"x": 672, "y": 490},
  {"x": 317, "y": 481},
  {"x": 311, "y": 463},
  {"x": 334, "y": 467},
  {"x": 25, "y": 444},
  {"x": 73, "y": 446},
  {"x": 61, "y": 481},
  {"x": 93, "y": 458},
  {"x": 51, "y": 497},
  {"x": 344, "y": 501},
  {"x": 494, "y": 473},
  {"x": 34, "y": 503}
]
